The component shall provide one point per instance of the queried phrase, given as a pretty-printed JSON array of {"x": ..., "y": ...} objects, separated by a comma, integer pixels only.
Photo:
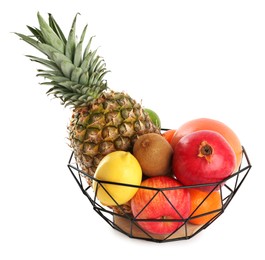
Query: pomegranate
[
  {"x": 203, "y": 157},
  {"x": 213, "y": 125}
]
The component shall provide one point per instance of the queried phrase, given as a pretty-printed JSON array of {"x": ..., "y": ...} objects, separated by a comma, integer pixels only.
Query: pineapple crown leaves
[{"x": 75, "y": 76}]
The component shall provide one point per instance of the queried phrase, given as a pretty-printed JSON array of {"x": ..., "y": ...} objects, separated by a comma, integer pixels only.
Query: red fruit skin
[
  {"x": 213, "y": 125},
  {"x": 191, "y": 168},
  {"x": 159, "y": 208}
]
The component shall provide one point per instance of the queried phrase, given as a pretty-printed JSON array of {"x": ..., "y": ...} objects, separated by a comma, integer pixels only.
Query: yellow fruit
[{"x": 117, "y": 167}]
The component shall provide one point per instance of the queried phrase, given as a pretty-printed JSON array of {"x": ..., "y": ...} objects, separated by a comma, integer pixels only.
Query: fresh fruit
[
  {"x": 214, "y": 125},
  {"x": 102, "y": 120},
  {"x": 168, "y": 134},
  {"x": 117, "y": 167},
  {"x": 204, "y": 206},
  {"x": 163, "y": 202},
  {"x": 203, "y": 157},
  {"x": 154, "y": 117},
  {"x": 153, "y": 153}
]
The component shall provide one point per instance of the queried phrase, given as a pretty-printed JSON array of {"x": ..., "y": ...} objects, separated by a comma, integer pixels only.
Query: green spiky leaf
[{"x": 76, "y": 75}]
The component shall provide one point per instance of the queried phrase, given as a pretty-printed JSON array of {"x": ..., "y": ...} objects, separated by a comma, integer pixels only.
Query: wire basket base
[{"x": 125, "y": 223}]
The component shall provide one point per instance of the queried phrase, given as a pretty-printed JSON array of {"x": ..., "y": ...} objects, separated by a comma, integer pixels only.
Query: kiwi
[{"x": 154, "y": 154}]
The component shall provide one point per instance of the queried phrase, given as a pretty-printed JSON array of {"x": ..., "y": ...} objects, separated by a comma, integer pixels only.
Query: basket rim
[{"x": 181, "y": 186}]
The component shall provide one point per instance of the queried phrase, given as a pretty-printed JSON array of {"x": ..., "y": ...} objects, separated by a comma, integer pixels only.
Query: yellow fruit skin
[{"x": 121, "y": 167}]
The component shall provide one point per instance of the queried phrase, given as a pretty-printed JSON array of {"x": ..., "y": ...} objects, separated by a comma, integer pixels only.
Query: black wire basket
[{"x": 124, "y": 222}]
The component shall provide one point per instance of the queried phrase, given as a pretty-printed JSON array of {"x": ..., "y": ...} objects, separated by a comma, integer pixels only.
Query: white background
[{"x": 183, "y": 59}]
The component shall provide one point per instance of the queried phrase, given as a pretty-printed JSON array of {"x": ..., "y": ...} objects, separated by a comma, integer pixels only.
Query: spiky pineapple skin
[{"x": 112, "y": 122}]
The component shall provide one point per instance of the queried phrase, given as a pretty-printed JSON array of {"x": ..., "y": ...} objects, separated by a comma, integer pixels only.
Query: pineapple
[{"x": 102, "y": 120}]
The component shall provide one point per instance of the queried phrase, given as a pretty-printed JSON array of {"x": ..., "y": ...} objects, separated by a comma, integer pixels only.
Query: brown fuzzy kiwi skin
[{"x": 154, "y": 154}]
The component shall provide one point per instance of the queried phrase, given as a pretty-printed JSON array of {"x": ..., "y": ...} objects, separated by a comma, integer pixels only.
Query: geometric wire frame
[{"x": 125, "y": 223}]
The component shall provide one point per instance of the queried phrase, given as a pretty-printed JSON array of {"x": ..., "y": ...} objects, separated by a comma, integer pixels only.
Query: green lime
[{"x": 154, "y": 117}]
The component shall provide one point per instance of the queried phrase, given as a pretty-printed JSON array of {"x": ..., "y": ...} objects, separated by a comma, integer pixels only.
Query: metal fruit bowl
[{"x": 123, "y": 221}]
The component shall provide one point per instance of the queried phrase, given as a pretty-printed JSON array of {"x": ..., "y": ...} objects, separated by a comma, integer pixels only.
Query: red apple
[
  {"x": 163, "y": 203},
  {"x": 203, "y": 157}
]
